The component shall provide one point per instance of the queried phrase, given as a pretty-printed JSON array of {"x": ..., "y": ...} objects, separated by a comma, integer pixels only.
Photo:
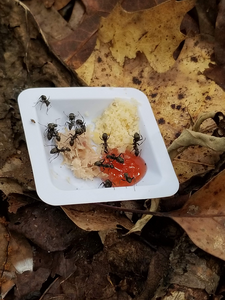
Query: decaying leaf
[
  {"x": 94, "y": 218},
  {"x": 29, "y": 284},
  {"x": 138, "y": 51},
  {"x": 59, "y": 4},
  {"x": 16, "y": 257},
  {"x": 10, "y": 186},
  {"x": 216, "y": 71},
  {"x": 21, "y": 254},
  {"x": 47, "y": 19},
  {"x": 16, "y": 201},
  {"x": 6, "y": 277},
  {"x": 178, "y": 95},
  {"x": 17, "y": 168},
  {"x": 191, "y": 274},
  {"x": 139, "y": 36},
  {"x": 4, "y": 242},
  {"x": 70, "y": 43},
  {"x": 202, "y": 217},
  {"x": 46, "y": 226},
  {"x": 144, "y": 220}
]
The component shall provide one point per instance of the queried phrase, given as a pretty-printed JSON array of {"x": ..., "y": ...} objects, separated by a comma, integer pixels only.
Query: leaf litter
[{"x": 95, "y": 48}]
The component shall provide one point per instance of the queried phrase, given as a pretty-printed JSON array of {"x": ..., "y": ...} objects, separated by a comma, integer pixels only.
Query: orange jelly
[{"x": 127, "y": 173}]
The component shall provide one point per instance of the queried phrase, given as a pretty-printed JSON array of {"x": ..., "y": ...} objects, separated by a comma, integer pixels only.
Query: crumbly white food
[
  {"x": 82, "y": 156},
  {"x": 120, "y": 121}
]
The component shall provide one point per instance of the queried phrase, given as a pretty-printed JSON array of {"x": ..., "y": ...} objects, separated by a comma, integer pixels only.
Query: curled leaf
[
  {"x": 191, "y": 138},
  {"x": 144, "y": 220}
]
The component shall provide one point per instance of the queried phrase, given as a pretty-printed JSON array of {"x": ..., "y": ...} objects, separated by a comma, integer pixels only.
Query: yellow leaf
[
  {"x": 176, "y": 96},
  {"x": 151, "y": 31}
]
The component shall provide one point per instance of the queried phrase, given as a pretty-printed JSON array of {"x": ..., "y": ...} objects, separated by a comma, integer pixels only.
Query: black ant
[
  {"x": 100, "y": 163},
  {"x": 73, "y": 137},
  {"x": 136, "y": 138},
  {"x": 57, "y": 150},
  {"x": 52, "y": 132},
  {"x": 71, "y": 122},
  {"x": 44, "y": 100},
  {"x": 107, "y": 183},
  {"x": 105, "y": 138},
  {"x": 128, "y": 179},
  {"x": 81, "y": 124},
  {"x": 118, "y": 158}
]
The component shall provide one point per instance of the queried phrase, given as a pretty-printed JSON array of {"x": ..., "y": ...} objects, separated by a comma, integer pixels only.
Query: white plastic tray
[{"x": 55, "y": 183}]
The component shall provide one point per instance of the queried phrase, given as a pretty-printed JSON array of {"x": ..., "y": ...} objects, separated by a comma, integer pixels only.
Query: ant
[
  {"x": 128, "y": 179},
  {"x": 107, "y": 183},
  {"x": 44, "y": 100},
  {"x": 100, "y": 163},
  {"x": 57, "y": 150},
  {"x": 105, "y": 138},
  {"x": 52, "y": 132},
  {"x": 136, "y": 138},
  {"x": 71, "y": 122},
  {"x": 81, "y": 124},
  {"x": 73, "y": 137},
  {"x": 118, "y": 158}
]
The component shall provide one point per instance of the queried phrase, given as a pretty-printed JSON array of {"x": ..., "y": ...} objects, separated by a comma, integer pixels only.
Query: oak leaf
[{"x": 176, "y": 96}]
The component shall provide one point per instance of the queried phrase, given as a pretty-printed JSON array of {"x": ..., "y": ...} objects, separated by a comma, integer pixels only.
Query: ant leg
[{"x": 51, "y": 159}]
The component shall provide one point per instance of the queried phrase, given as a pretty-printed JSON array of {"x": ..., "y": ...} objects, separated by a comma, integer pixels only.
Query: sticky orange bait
[{"x": 127, "y": 170}]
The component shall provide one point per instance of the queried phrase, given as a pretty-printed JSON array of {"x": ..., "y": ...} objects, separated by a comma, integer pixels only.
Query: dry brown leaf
[
  {"x": 219, "y": 34},
  {"x": 77, "y": 15},
  {"x": 21, "y": 254},
  {"x": 6, "y": 278},
  {"x": 115, "y": 45},
  {"x": 67, "y": 40},
  {"x": 48, "y": 20},
  {"x": 176, "y": 96},
  {"x": 139, "y": 4},
  {"x": 76, "y": 47},
  {"x": 8, "y": 186},
  {"x": 16, "y": 201},
  {"x": 15, "y": 257},
  {"x": 92, "y": 217},
  {"x": 206, "y": 228},
  {"x": 17, "y": 168},
  {"x": 46, "y": 226},
  {"x": 157, "y": 42},
  {"x": 4, "y": 241},
  {"x": 216, "y": 73},
  {"x": 59, "y": 4}
]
